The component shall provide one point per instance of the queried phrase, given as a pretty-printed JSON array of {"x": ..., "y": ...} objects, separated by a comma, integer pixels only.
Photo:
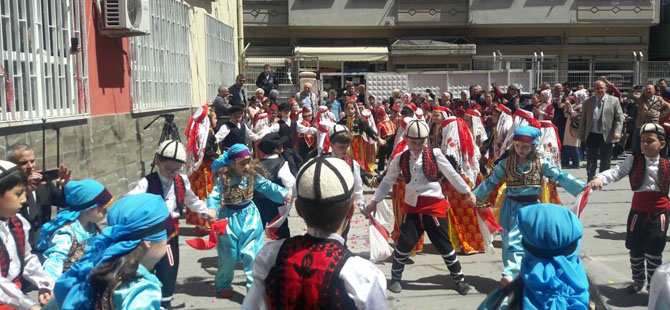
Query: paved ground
[{"x": 428, "y": 285}]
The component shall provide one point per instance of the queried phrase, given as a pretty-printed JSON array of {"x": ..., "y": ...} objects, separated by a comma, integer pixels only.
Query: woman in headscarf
[
  {"x": 114, "y": 273},
  {"x": 552, "y": 275},
  {"x": 63, "y": 239}
]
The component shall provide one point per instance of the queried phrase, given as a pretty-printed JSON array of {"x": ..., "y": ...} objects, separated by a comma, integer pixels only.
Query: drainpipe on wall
[{"x": 240, "y": 38}]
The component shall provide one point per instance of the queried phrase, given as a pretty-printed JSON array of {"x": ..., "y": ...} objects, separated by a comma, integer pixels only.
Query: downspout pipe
[{"x": 240, "y": 38}]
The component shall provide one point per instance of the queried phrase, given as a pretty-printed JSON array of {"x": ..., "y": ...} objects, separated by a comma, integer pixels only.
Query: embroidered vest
[
  {"x": 288, "y": 131},
  {"x": 306, "y": 276},
  {"x": 156, "y": 187},
  {"x": 19, "y": 235},
  {"x": 236, "y": 194},
  {"x": 76, "y": 250},
  {"x": 353, "y": 124},
  {"x": 531, "y": 178},
  {"x": 309, "y": 139},
  {"x": 429, "y": 166},
  {"x": 236, "y": 135},
  {"x": 636, "y": 175}
]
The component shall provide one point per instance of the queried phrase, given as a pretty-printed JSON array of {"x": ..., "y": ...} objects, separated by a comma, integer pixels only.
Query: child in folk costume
[
  {"x": 63, "y": 239},
  {"x": 545, "y": 109},
  {"x": 502, "y": 118},
  {"x": 520, "y": 117},
  {"x": 235, "y": 130},
  {"x": 370, "y": 149},
  {"x": 473, "y": 118},
  {"x": 358, "y": 126},
  {"x": 16, "y": 259},
  {"x": 458, "y": 145},
  {"x": 201, "y": 151},
  {"x": 325, "y": 119},
  {"x": 551, "y": 146},
  {"x": 647, "y": 225},
  {"x": 238, "y": 178},
  {"x": 523, "y": 169},
  {"x": 424, "y": 205},
  {"x": 316, "y": 271},
  {"x": 386, "y": 128},
  {"x": 306, "y": 141},
  {"x": 439, "y": 115},
  {"x": 278, "y": 173},
  {"x": 571, "y": 142},
  {"x": 114, "y": 272},
  {"x": 175, "y": 188}
]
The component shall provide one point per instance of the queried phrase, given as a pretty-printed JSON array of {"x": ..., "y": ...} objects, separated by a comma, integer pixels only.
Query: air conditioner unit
[{"x": 125, "y": 18}]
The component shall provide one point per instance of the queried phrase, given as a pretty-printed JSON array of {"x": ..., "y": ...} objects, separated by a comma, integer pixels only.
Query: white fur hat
[
  {"x": 417, "y": 129},
  {"x": 336, "y": 129},
  {"x": 6, "y": 168},
  {"x": 172, "y": 149},
  {"x": 325, "y": 180}
]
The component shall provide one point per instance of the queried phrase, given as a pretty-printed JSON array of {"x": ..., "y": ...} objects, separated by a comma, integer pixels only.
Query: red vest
[
  {"x": 429, "y": 166},
  {"x": 309, "y": 138},
  {"x": 636, "y": 176},
  {"x": 19, "y": 235},
  {"x": 306, "y": 276},
  {"x": 156, "y": 187}
]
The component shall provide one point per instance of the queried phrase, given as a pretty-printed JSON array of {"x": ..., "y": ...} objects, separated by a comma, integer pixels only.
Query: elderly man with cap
[
  {"x": 278, "y": 173},
  {"x": 175, "y": 188},
  {"x": 63, "y": 239},
  {"x": 425, "y": 207},
  {"x": 647, "y": 225},
  {"x": 333, "y": 278}
]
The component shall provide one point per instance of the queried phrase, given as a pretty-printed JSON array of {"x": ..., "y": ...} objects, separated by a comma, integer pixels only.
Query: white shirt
[
  {"x": 224, "y": 131},
  {"x": 190, "y": 200},
  {"x": 597, "y": 114},
  {"x": 285, "y": 175},
  {"x": 300, "y": 128},
  {"x": 364, "y": 283},
  {"x": 623, "y": 170},
  {"x": 10, "y": 294},
  {"x": 419, "y": 185}
]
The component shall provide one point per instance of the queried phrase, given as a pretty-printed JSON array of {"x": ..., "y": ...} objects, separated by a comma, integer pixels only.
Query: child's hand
[
  {"x": 288, "y": 199},
  {"x": 596, "y": 184},
  {"x": 471, "y": 200},
  {"x": 35, "y": 307},
  {"x": 44, "y": 296},
  {"x": 372, "y": 207},
  {"x": 211, "y": 216}
]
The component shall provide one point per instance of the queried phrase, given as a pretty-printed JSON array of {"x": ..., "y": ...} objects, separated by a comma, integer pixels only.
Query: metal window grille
[
  {"x": 220, "y": 55},
  {"x": 160, "y": 62},
  {"x": 41, "y": 75}
]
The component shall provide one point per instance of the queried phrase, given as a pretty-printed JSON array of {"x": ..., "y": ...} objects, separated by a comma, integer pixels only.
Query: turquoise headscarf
[
  {"x": 235, "y": 152},
  {"x": 131, "y": 220},
  {"x": 552, "y": 271},
  {"x": 527, "y": 134},
  {"x": 79, "y": 197}
]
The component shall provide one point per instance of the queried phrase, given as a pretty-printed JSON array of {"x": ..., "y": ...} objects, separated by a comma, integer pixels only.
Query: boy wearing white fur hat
[
  {"x": 316, "y": 270},
  {"x": 425, "y": 206}
]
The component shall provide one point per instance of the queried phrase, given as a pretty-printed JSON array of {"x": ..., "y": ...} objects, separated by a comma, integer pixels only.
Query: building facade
[
  {"x": 90, "y": 96},
  {"x": 449, "y": 35}
]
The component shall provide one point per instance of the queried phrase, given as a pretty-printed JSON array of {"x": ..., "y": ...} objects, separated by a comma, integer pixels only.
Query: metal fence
[
  {"x": 42, "y": 75},
  {"x": 220, "y": 55},
  {"x": 287, "y": 70},
  {"x": 160, "y": 62}
]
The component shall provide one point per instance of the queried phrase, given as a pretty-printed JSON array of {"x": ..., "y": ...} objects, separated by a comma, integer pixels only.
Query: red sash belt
[
  {"x": 650, "y": 201},
  {"x": 431, "y": 206}
]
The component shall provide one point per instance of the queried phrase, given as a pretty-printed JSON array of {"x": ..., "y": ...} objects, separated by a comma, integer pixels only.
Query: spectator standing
[
  {"x": 333, "y": 104},
  {"x": 600, "y": 125},
  {"x": 237, "y": 92},
  {"x": 361, "y": 93},
  {"x": 267, "y": 80},
  {"x": 221, "y": 106},
  {"x": 307, "y": 99},
  {"x": 560, "y": 120},
  {"x": 650, "y": 109}
]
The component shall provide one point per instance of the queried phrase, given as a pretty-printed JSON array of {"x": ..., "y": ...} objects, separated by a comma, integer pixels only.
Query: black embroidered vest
[
  {"x": 19, "y": 235},
  {"x": 429, "y": 166},
  {"x": 531, "y": 178},
  {"x": 288, "y": 131},
  {"x": 236, "y": 135},
  {"x": 637, "y": 172},
  {"x": 306, "y": 276},
  {"x": 156, "y": 187}
]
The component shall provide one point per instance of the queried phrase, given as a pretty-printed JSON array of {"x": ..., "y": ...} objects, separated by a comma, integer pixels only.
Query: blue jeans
[{"x": 572, "y": 156}]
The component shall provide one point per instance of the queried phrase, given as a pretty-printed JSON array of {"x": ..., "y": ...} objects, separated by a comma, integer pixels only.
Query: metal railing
[
  {"x": 220, "y": 55},
  {"x": 44, "y": 69}
]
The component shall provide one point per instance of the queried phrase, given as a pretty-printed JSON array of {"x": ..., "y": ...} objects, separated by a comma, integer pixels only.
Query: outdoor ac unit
[{"x": 125, "y": 18}]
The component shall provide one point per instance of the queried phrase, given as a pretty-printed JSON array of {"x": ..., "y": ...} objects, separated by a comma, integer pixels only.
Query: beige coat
[{"x": 612, "y": 118}]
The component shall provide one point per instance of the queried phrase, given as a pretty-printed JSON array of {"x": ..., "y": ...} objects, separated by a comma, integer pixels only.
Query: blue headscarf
[
  {"x": 79, "y": 197},
  {"x": 527, "y": 134},
  {"x": 235, "y": 152},
  {"x": 131, "y": 220},
  {"x": 552, "y": 271}
]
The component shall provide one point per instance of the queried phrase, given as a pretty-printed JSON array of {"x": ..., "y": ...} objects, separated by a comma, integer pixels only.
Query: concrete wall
[{"x": 340, "y": 13}]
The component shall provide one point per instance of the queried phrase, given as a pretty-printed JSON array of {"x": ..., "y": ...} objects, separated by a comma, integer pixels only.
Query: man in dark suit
[
  {"x": 40, "y": 195},
  {"x": 237, "y": 92},
  {"x": 599, "y": 127}
]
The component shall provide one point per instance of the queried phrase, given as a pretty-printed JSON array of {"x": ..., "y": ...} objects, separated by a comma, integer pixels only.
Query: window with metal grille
[
  {"x": 220, "y": 56},
  {"x": 41, "y": 74},
  {"x": 160, "y": 62}
]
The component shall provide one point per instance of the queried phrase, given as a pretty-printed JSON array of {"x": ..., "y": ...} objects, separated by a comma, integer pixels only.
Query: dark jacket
[
  {"x": 37, "y": 210},
  {"x": 236, "y": 98},
  {"x": 267, "y": 83}
]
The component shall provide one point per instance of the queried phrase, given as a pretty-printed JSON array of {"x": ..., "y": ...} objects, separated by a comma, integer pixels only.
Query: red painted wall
[{"x": 108, "y": 69}]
